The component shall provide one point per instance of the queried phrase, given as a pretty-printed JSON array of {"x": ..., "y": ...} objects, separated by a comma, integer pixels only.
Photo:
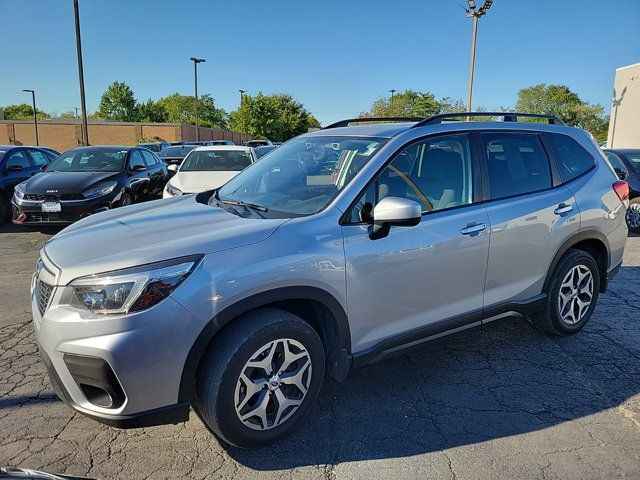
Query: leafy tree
[
  {"x": 181, "y": 109},
  {"x": 67, "y": 115},
  {"x": 151, "y": 111},
  {"x": 560, "y": 101},
  {"x": 405, "y": 104},
  {"x": 277, "y": 117},
  {"x": 118, "y": 103},
  {"x": 22, "y": 111}
]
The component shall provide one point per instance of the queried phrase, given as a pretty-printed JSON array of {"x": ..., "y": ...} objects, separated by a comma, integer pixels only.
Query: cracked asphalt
[{"x": 504, "y": 402}]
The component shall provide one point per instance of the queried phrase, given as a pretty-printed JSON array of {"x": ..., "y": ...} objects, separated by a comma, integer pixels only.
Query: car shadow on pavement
[
  {"x": 13, "y": 402},
  {"x": 45, "y": 229},
  {"x": 504, "y": 380}
]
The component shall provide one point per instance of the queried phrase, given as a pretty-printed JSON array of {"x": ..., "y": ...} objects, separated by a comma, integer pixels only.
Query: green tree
[
  {"x": 181, "y": 109},
  {"x": 560, "y": 101},
  {"x": 405, "y": 104},
  {"x": 22, "y": 111},
  {"x": 151, "y": 111},
  {"x": 67, "y": 115},
  {"x": 118, "y": 103},
  {"x": 277, "y": 117}
]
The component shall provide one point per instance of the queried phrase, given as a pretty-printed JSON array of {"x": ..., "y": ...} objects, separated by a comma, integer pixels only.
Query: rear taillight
[{"x": 622, "y": 190}]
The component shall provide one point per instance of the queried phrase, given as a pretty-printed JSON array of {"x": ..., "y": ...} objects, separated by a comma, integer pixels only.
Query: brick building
[{"x": 65, "y": 134}]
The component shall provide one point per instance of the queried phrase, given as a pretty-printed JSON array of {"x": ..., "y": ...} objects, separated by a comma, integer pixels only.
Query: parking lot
[{"x": 504, "y": 402}]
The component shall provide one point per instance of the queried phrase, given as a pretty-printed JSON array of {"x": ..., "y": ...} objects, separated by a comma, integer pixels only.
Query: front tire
[
  {"x": 5, "y": 210},
  {"x": 633, "y": 215},
  {"x": 125, "y": 200},
  {"x": 572, "y": 294},
  {"x": 260, "y": 378}
]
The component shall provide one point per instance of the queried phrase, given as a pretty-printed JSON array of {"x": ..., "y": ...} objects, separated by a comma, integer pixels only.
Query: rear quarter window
[{"x": 573, "y": 160}]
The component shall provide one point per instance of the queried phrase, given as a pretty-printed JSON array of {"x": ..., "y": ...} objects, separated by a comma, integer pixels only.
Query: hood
[
  {"x": 151, "y": 232},
  {"x": 67, "y": 182},
  {"x": 195, "y": 182}
]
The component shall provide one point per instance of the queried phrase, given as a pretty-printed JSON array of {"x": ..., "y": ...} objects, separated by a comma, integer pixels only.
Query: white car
[{"x": 206, "y": 168}]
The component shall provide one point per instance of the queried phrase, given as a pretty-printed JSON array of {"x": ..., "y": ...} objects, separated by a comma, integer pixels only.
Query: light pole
[
  {"x": 393, "y": 91},
  {"x": 83, "y": 103},
  {"x": 76, "y": 109},
  {"x": 475, "y": 14},
  {"x": 196, "y": 61},
  {"x": 35, "y": 112},
  {"x": 242, "y": 92}
]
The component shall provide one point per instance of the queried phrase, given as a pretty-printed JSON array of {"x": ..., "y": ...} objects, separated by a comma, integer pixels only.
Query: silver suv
[{"x": 338, "y": 249}]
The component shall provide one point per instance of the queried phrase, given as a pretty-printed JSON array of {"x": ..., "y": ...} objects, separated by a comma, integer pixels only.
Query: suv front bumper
[{"x": 122, "y": 370}]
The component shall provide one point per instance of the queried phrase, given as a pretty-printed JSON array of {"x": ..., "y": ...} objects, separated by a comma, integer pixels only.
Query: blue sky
[{"x": 334, "y": 56}]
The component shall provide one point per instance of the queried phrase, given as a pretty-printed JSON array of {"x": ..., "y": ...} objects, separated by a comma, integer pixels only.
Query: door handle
[
  {"x": 562, "y": 209},
  {"x": 473, "y": 228}
]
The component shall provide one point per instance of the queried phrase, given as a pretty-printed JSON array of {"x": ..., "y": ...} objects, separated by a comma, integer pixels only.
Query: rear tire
[
  {"x": 260, "y": 378},
  {"x": 633, "y": 215},
  {"x": 571, "y": 296}
]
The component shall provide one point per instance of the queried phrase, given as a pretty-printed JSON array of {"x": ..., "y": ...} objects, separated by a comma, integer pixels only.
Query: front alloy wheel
[{"x": 273, "y": 384}]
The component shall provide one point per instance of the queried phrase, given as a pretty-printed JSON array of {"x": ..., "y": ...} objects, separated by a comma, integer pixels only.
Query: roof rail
[
  {"x": 507, "y": 117},
  {"x": 345, "y": 123}
]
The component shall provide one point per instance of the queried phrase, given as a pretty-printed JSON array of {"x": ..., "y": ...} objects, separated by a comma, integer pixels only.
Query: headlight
[
  {"x": 173, "y": 190},
  {"x": 131, "y": 289},
  {"x": 19, "y": 190},
  {"x": 98, "y": 192}
]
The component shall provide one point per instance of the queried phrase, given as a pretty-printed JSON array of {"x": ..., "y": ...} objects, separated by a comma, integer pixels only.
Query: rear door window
[
  {"x": 573, "y": 160},
  {"x": 515, "y": 164},
  {"x": 149, "y": 158}
]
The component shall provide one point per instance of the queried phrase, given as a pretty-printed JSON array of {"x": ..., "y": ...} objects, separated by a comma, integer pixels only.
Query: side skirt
[{"x": 416, "y": 338}]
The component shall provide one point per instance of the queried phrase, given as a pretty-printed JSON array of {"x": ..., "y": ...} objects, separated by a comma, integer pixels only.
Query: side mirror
[
  {"x": 43, "y": 168},
  {"x": 13, "y": 168},
  {"x": 172, "y": 168},
  {"x": 394, "y": 212},
  {"x": 622, "y": 175},
  {"x": 138, "y": 168}
]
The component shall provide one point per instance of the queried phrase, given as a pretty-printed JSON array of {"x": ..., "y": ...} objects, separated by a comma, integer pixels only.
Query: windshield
[
  {"x": 216, "y": 160},
  {"x": 302, "y": 176},
  {"x": 179, "y": 152},
  {"x": 634, "y": 158},
  {"x": 89, "y": 160},
  {"x": 154, "y": 147}
]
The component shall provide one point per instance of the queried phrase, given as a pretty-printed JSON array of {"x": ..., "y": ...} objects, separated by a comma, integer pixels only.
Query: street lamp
[
  {"x": 393, "y": 91},
  {"x": 474, "y": 13},
  {"x": 242, "y": 92},
  {"x": 196, "y": 61},
  {"x": 35, "y": 113},
  {"x": 83, "y": 103}
]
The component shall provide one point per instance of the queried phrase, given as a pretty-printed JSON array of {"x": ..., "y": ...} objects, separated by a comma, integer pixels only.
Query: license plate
[{"x": 51, "y": 207}]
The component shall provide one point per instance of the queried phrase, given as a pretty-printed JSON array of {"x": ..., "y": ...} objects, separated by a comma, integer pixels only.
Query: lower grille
[
  {"x": 43, "y": 294},
  {"x": 52, "y": 217}
]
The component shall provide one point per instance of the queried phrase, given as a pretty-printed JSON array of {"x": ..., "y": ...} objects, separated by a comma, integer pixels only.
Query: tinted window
[
  {"x": 135, "y": 160},
  {"x": 516, "y": 164},
  {"x": 573, "y": 160},
  {"x": 176, "y": 152},
  {"x": 149, "y": 158},
  {"x": 216, "y": 160},
  {"x": 435, "y": 173},
  {"x": 615, "y": 162},
  {"x": 39, "y": 158},
  {"x": 18, "y": 158},
  {"x": 634, "y": 158}
]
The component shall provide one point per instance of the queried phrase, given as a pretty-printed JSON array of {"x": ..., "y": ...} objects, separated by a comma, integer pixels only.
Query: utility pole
[
  {"x": 242, "y": 92},
  {"x": 83, "y": 103},
  {"x": 35, "y": 113},
  {"x": 393, "y": 91},
  {"x": 475, "y": 15},
  {"x": 196, "y": 61}
]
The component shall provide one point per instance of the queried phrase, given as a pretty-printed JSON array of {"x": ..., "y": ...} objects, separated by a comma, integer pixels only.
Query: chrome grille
[{"x": 43, "y": 294}]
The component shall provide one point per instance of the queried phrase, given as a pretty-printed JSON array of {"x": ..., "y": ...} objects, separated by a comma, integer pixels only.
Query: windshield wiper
[{"x": 249, "y": 207}]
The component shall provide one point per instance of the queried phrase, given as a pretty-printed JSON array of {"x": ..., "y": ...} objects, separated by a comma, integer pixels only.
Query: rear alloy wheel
[
  {"x": 571, "y": 295},
  {"x": 633, "y": 215},
  {"x": 259, "y": 377}
]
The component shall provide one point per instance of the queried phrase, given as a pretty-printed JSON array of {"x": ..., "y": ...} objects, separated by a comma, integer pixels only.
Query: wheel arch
[
  {"x": 315, "y": 305},
  {"x": 593, "y": 242}
]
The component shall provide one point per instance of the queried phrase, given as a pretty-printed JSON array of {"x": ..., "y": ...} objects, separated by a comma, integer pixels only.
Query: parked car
[
  {"x": 257, "y": 143},
  {"x": 220, "y": 142},
  {"x": 53, "y": 152},
  {"x": 206, "y": 168},
  {"x": 87, "y": 180},
  {"x": 154, "y": 146},
  {"x": 626, "y": 163},
  {"x": 262, "y": 151},
  {"x": 174, "y": 154},
  {"x": 239, "y": 299},
  {"x": 17, "y": 164}
]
